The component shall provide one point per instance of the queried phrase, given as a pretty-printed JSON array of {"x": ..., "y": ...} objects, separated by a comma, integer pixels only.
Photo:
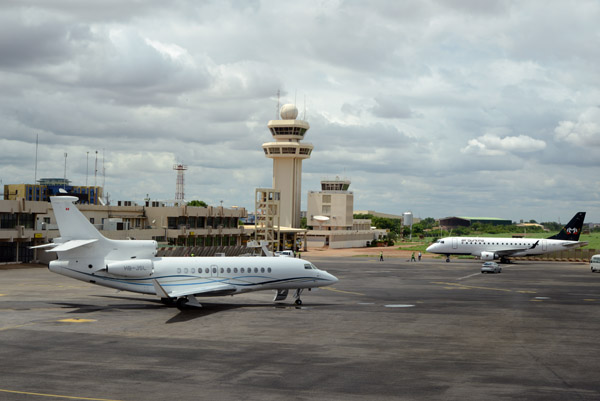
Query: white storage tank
[{"x": 407, "y": 219}]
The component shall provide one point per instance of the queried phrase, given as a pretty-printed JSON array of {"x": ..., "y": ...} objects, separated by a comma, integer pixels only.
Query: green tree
[{"x": 197, "y": 203}]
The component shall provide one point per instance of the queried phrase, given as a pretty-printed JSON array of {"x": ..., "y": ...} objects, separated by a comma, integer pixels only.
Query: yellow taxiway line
[
  {"x": 54, "y": 395},
  {"x": 469, "y": 287},
  {"x": 340, "y": 291}
]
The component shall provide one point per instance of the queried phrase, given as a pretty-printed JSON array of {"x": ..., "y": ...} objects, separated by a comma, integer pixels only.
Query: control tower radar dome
[{"x": 289, "y": 112}]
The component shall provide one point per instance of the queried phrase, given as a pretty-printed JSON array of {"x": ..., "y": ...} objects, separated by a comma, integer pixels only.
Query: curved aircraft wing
[
  {"x": 508, "y": 252},
  {"x": 203, "y": 290}
]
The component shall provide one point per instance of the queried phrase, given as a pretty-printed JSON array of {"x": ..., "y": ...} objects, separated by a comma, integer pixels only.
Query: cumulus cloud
[
  {"x": 393, "y": 101},
  {"x": 390, "y": 108},
  {"x": 493, "y": 145},
  {"x": 584, "y": 132}
]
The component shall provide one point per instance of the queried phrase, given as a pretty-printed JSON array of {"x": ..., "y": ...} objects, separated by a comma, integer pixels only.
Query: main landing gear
[
  {"x": 186, "y": 302},
  {"x": 281, "y": 295}
]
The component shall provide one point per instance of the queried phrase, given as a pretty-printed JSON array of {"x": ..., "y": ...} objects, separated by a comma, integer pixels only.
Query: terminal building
[
  {"x": 209, "y": 230},
  {"x": 330, "y": 214}
]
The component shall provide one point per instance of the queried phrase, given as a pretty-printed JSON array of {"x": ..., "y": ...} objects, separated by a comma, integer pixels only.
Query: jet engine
[
  {"x": 488, "y": 256},
  {"x": 135, "y": 268}
]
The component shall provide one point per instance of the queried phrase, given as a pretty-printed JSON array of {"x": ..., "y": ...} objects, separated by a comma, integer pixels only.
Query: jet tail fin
[
  {"x": 72, "y": 224},
  {"x": 572, "y": 230}
]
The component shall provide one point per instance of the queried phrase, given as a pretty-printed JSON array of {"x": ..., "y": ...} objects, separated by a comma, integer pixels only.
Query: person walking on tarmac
[
  {"x": 381, "y": 256},
  {"x": 412, "y": 258},
  {"x": 419, "y": 256}
]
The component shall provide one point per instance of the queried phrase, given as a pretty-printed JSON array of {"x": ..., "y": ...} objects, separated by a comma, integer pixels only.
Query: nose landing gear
[{"x": 297, "y": 296}]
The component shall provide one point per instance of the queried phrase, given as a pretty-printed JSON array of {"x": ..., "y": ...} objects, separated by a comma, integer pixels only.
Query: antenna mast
[
  {"x": 304, "y": 116},
  {"x": 87, "y": 166},
  {"x": 179, "y": 187},
  {"x": 36, "y": 157},
  {"x": 96, "y": 170},
  {"x": 103, "y": 171},
  {"x": 277, "y": 109}
]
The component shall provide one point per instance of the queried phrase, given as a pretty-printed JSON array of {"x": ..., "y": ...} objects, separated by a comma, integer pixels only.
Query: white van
[
  {"x": 595, "y": 263},
  {"x": 288, "y": 254}
]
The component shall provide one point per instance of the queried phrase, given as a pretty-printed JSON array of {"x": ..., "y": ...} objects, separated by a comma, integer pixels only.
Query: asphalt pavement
[{"x": 388, "y": 330}]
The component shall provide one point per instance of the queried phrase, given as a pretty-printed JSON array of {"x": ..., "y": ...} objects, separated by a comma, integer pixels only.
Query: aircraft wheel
[
  {"x": 298, "y": 301},
  {"x": 168, "y": 301},
  {"x": 181, "y": 303}
]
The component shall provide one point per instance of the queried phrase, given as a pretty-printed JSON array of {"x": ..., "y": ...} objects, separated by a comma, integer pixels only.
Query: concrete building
[
  {"x": 330, "y": 214},
  {"x": 287, "y": 153},
  {"x": 28, "y": 223},
  {"x": 384, "y": 215},
  {"x": 19, "y": 229},
  {"x": 47, "y": 187},
  {"x": 454, "y": 221}
]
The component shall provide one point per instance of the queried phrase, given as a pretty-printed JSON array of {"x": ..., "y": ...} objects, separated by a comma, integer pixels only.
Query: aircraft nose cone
[
  {"x": 429, "y": 248},
  {"x": 331, "y": 278}
]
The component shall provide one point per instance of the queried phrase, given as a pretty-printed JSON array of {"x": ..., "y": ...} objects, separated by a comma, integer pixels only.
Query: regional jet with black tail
[
  {"x": 489, "y": 248},
  {"x": 132, "y": 265}
]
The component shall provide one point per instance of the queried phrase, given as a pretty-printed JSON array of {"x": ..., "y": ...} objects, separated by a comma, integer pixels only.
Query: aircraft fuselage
[
  {"x": 244, "y": 274},
  {"x": 493, "y": 248}
]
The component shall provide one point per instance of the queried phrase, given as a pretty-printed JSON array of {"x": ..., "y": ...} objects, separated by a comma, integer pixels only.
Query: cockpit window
[{"x": 309, "y": 266}]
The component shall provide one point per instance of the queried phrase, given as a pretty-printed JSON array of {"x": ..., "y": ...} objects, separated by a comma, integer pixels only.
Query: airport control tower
[{"x": 287, "y": 153}]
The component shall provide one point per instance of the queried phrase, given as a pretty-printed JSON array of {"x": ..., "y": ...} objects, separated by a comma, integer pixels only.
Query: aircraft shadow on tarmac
[
  {"x": 191, "y": 313},
  {"x": 184, "y": 315}
]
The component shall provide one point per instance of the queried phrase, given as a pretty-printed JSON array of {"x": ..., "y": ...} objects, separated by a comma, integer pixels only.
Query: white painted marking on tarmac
[
  {"x": 470, "y": 275},
  {"x": 542, "y": 297},
  {"x": 399, "y": 306}
]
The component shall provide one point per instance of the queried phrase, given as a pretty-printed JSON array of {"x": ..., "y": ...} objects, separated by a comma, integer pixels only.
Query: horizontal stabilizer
[
  {"x": 50, "y": 245},
  {"x": 67, "y": 246}
]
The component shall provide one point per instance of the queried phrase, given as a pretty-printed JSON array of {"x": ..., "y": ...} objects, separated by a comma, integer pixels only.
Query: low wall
[{"x": 573, "y": 255}]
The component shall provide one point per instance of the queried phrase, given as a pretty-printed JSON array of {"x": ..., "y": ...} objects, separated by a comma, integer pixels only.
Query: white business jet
[
  {"x": 489, "y": 248},
  {"x": 132, "y": 265}
]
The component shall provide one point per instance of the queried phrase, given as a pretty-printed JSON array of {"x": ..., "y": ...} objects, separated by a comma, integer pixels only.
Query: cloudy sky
[{"x": 441, "y": 107}]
